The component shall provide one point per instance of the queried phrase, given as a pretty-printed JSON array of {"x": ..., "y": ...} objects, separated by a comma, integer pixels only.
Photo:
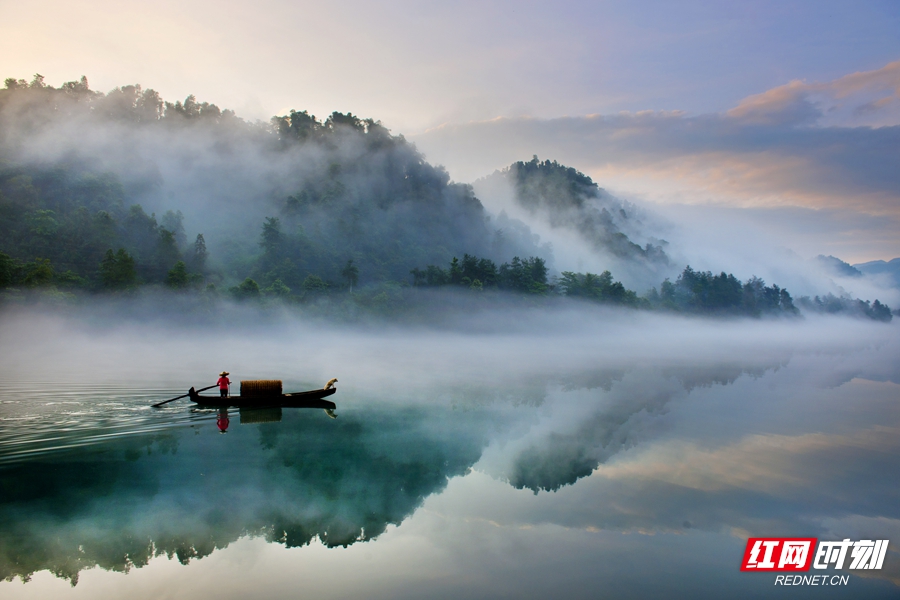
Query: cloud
[
  {"x": 786, "y": 104},
  {"x": 875, "y": 105},
  {"x": 799, "y": 102},
  {"x": 817, "y": 145}
]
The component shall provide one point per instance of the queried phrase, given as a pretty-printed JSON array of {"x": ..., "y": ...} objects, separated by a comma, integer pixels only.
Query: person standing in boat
[{"x": 223, "y": 384}]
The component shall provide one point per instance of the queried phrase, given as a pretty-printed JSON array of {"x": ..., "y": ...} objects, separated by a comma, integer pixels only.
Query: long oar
[{"x": 183, "y": 396}]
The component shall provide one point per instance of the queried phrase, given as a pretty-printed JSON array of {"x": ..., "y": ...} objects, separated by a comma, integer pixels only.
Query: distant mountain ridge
[
  {"x": 880, "y": 267},
  {"x": 836, "y": 266}
]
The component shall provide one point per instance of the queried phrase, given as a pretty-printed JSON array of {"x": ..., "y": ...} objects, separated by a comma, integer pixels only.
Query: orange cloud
[
  {"x": 797, "y": 100},
  {"x": 763, "y": 179}
]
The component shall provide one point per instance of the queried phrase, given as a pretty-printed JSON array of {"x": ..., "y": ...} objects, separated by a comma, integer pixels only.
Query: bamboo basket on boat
[{"x": 261, "y": 388}]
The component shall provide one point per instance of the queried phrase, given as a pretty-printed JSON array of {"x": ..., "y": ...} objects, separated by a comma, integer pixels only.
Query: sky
[{"x": 787, "y": 109}]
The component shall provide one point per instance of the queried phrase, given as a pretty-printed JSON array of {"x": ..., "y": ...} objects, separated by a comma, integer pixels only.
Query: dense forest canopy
[{"x": 107, "y": 193}]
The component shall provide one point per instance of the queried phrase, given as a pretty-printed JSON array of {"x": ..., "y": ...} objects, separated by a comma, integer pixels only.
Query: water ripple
[{"x": 36, "y": 420}]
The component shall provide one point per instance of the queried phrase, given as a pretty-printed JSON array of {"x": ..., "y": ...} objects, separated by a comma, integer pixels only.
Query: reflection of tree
[
  {"x": 526, "y": 390},
  {"x": 591, "y": 380},
  {"x": 722, "y": 374},
  {"x": 119, "y": 505},
  {"x": 374, "y": 470},
  {"x": 521, "y": 392},
  {"x": 40, "y": 497}
]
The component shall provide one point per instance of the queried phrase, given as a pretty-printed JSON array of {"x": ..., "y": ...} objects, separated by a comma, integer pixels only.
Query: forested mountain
[
  {"x": 836, "y": 267},
  {"x": 109, "y": 193},
  {"x": 570, "y": 200},
  {"x": 284, "y": 200}
]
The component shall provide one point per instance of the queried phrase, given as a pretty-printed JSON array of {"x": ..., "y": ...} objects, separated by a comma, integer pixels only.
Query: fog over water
[{"x": 518, "y": 452}]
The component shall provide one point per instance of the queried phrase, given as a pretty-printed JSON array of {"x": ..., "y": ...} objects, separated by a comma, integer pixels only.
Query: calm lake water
[{"x": 583, "y": 455}]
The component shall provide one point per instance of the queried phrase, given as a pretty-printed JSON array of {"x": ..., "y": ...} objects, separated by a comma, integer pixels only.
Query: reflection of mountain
[
  {"x": 563, "y": 458},
  {"x": 187, "y": 492},
  {"x": 372, "y": 471},
  {"x": 190, "y": 492}
]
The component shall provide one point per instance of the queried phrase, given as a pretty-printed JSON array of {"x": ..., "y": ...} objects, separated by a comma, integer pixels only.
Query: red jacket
[{"x": 223, "y": 383}]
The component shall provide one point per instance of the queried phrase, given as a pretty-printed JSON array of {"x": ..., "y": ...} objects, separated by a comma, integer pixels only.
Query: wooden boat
[{"x": 308, "y": 399}]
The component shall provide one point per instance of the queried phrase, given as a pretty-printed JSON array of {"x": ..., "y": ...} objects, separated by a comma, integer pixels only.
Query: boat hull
[{"x": 309, "y": 399}]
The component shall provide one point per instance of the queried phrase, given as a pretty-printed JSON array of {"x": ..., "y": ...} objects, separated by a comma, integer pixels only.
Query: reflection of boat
[
  {"x": 309, "y": 399},
  {"x": 268, "y": 414}
]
